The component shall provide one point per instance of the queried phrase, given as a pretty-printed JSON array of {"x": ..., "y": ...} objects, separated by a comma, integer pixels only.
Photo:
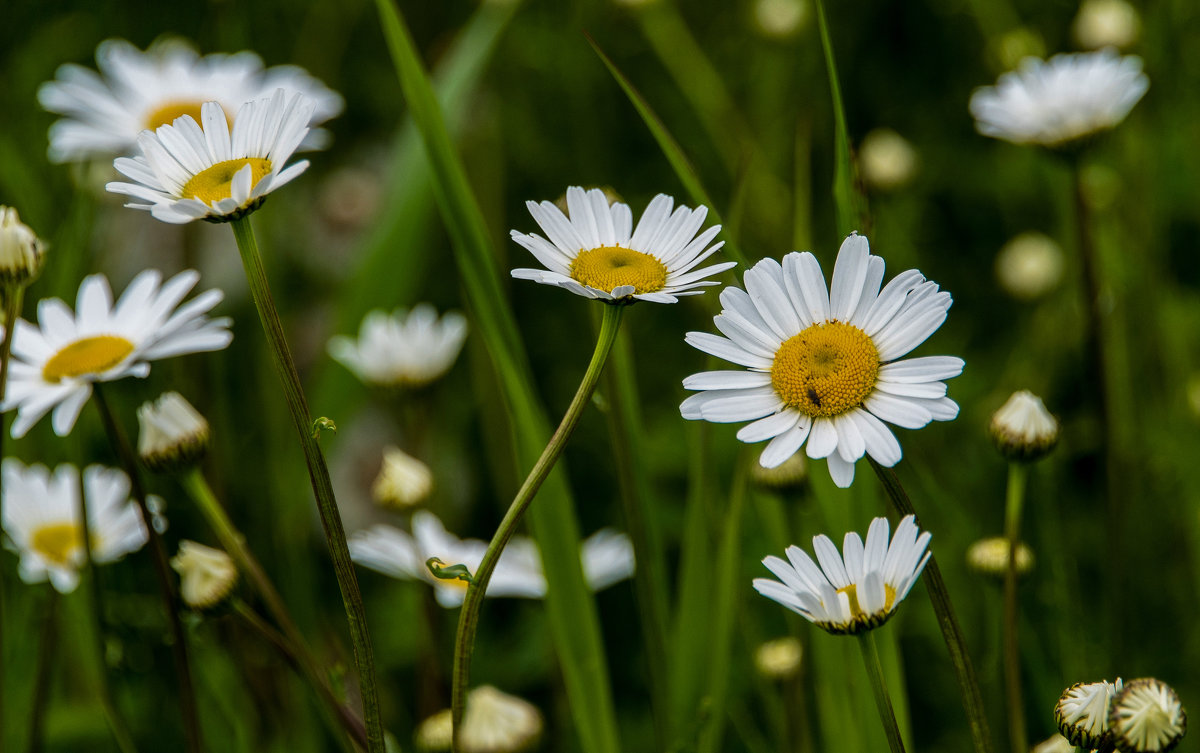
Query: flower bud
[
  {"x": 1082, "y": 712},
  {"x": 21, "y": 253},
  {"x": 1145, "y": 716},
  {"x": 493, "y": 722},
  {"x": 1055, "y": 744},
  {"x": 403, "y": 480},
  {"x": 779, "y": 659},
  {"x": 1023, "y": 429},
  {"x": 990, "y": 557},
  {"x": 206, "y": 575},
  {"x": 173, "y": 435}
]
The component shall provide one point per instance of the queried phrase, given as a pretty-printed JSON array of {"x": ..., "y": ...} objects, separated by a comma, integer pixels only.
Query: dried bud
[
  {"x": 990, "y": 557},
  {"x": 206, "y": 575},
  {"x": 1023, "y": 429},
  {"x": 173, "y": 435},
  {"x": 21, "y": 253},
  {"x": 403, "y": 480}
]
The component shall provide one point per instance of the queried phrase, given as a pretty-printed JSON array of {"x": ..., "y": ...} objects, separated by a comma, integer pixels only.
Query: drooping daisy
[
  {"x": 1082, "y": 712},
  {"x": 493, "y": 722},
  {"x": 607, "y": 558},
  {"x": 135, "y": 91},
  {"x": 595, "y": 252},
  {"x": 824, "y": 365},
  {"x": 1060, "y": 100},
  {"x": 1146, "y": 716},
  {"x": 407, "y": 349},
  {"x": 854, "y": 591},
  {"x": 55, "y": 363},
  {"x": 192, "y": 170},
  {"x": 41, "y": 518}
]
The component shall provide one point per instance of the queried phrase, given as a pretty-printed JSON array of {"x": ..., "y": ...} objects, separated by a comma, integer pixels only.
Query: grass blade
[{"x": 850, "y": 203}]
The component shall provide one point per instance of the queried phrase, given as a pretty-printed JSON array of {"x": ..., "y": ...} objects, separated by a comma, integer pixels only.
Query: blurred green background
[{"x": 535, "y": 110}]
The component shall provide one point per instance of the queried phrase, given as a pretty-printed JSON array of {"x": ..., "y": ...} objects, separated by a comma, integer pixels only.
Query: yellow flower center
[
  {"x": 610, "y": 267},
  {"x": 856, "y": 610},
  {"x": 825, "y": 370},
  {"x": 57, "y": 543},
  {"x": 166, "y": 114},
  {"x": 91, "y": 355},
  {"x": 215, "y": 183}
]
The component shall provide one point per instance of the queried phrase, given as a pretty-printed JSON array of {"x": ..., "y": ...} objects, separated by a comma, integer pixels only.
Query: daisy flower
[
  {"x": 824, "y": 365},
  {"x": 193, "y": 169},
  {"x": 406, "y": 349},
  {"x": 1057, "y": 101},
  {"x": 595, "y": 252},
  {"x": 134, "y": 91},
  {"x": 55, "y": 363},
  {"x": 857, "y": 590},
  {"x": 607, "y": 558},
  {"x": 41, "y": 518}
]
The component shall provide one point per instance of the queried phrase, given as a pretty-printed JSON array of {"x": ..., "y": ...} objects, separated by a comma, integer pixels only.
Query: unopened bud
[
  {"x": 206, "y": 575},
  {"x": 1023, "y": 429},
  {"x": 21, "y": 253},
  {"x": 403, "y": 480},
  {"x": 173, "y": 435}
]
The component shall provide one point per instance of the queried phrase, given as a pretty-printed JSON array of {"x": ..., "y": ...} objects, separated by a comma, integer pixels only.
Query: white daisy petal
[{"x": 841, "y": 471}]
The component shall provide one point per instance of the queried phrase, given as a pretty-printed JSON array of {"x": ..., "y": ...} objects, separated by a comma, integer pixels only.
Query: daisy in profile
[
  {"x": 825, "y": 366},
  {"x": 594, "y": 250},
  {"x": 41, "y": 518},
  {"x": 854, "y": 591},
  {"x": 134, "y": 91},
  {"x": 407, "y": 349},
  {"x": 192, "y": 170},
  {"x": 55, "y": 362},
  {"x": 1058, "y": 101},
  {"x": 607, "y": 558}
]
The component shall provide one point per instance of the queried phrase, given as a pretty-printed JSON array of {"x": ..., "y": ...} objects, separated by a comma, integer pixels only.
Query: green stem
[
  {"x": 850, "y": 209},
  {"x": 231, "y": 539},
  {"x": 968, "y": 684},
  {"x": 1012, "y": 655},
  {"x": 464, "y": 640},
  {"x": 41, "y": 683},
  {"x": 870, "y": 654},
  {"x": 13, "y": 297},
  {"x": 331, "y": 519},
  {"x": 166, "y": 583}
]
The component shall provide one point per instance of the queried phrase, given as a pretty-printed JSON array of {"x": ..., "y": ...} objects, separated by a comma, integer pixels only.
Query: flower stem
[
  {"x": 464, "y": 640},
  {"x": 870, "y": 654},
  {"x": 331, "y": 519},
  {"x": 294, "y": 645},
  {"x": 13, "y": 297},
  {"x": 968, "y": 684},
  {"x": 1012, "y": 654},
  {"x": 166, "y": 584},
  {"x": 41, "y": 683}
]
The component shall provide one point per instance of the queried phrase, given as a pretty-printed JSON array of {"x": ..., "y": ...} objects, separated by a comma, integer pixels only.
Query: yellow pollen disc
[
  {"x": 856, "y": 610},
  {"x": 57, "y": 543},
  {"x": 91, "y": 355},
  {"x": 825, "y": 370},
  {"x": 166, "y": 114},
  {"x": 610, "y": 267},
  {"x": 215, "y": 183}
]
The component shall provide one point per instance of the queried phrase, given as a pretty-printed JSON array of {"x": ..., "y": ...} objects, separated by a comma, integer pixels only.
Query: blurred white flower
[
  {"x": 1030, "y": 265},
  {"x": 136, "y": 91},
  {"x": 206, "y": 575},
  {"x": 403, "y": 481},
  {"x": 1055, "y": 744},
  {"x": 1146, "y": 716},
  {"x": 779, "y": 659},
  {"x": 406, "y": 349},
  {"x": 21, "y": 252},
  {"x": 594, "y": 250},
  {"x": 1060, "y": 100},
  {"x": 1082, "y": 712},
  {"x": 780, "y": 19},
  {"x": 886, "y": 160},
  {"x": 990, "y": 557},
  {"x": 493, "y": 722},
  {"x": 607, "y": 557},
  {"x": 41, "y": 518},
  {"x": 1106, "y": 23},
  {"x": 856, "y": 590}
]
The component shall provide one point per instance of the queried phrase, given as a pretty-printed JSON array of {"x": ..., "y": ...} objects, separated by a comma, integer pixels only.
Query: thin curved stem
[
  {"x": 464, "y": 640},
  {"x": 14, "y": 295},
  {"x": 964, "y": 672},
  {"x": 166, "y": 583},
  {"x": 883, "y": 702},
  {"x": 294, "y": 645},
  {"x": 1012, "y": 655},
  {"x": 331, "y": 519}
]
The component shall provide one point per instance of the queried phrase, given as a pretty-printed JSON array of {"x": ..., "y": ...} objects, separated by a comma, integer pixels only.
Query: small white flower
[
  {"x": 172, "y": 433},
  {"x": 1146, "y": 716},
  {"x": 206, "y": 575},
  {"x": 856, "y": 590},
  {"x": 1057, "y": 101},
  {"x": 406, "y": 349},
  {"x": 825, "y": 365},
  {"x": 779, "y": 659},
  {"x": 55, "y": 363},
  {"x": 781, "y": 19},
  {"x": 1023, "y": 429},
  {"x": 403, "y": 480},
  {"x": 1082, "y": 712},
  {"x": 886, "y": 159},
  {"x": 607, "y": 557},
  {"x": 135, "y": 91},
  {"x": 41, "y": 518},
  {"x": 21, "y": 252},
  {"x": 493, "y": 722},
  {"x": 192, "y": 170},
  {"x": 1106, "y": 23},
  {"x": 1030, "y": 265},
  {"x": 595, "y": 252}
]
